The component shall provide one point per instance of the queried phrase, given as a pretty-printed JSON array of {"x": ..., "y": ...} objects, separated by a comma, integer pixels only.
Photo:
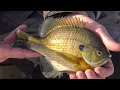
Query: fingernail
[
  {"x": 90, "y": 73},
  {"x": 100, "y": 71},
  {"x": 34, "y": 54},
  {"x": 37, "y": 54},
  {"x": 72, "y": 76},
  {"x": 79, "y": 74}
]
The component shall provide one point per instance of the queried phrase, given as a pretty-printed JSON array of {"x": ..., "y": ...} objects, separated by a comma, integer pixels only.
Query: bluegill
[{"x": 67, "y": 46}]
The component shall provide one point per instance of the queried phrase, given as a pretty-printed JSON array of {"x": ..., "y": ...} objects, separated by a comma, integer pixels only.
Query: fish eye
[{"x": 99, "y": 53}]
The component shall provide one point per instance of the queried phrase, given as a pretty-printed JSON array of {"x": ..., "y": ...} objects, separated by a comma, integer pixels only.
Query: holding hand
[
  {"x": 108, "y": 68},
  {"x": 7, "y": 51}
]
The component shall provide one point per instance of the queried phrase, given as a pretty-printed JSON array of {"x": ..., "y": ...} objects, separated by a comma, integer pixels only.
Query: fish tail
[{"x": 25, "y": 36}]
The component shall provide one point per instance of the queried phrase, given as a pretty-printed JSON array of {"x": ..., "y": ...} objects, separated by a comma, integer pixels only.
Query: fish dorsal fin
[
  {"x": 48, "y": 69},
  {"x": 51, "y": 24}
]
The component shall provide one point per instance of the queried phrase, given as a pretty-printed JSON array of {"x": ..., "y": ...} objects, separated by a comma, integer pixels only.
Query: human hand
[
  {"x": 98, "y": 73},
  {"x": 108, "y": 68},
  {"x": 101, "y": 31},
  {"x": 7, "y": 51}
]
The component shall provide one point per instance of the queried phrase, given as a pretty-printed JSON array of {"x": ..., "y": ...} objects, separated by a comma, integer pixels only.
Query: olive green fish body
[
  {"x": 64, "y": 41},
  {"x": 67, "y": 40},
  {"x": 68, "y": 62},
  {"x": 66, "y": 45}
]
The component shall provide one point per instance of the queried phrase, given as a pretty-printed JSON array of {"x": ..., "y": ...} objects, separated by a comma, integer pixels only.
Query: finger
[
  {"x": 105, "y": 71},
  {"x": 72, "y": 76},
  {"x": 3, "y": 59},
  {"x": 81, "y": 75},
  {"x": 108, "y": 41},
  {"x": 21, "y": 53},
  {"x": 101, "y": 32},
  {"x": 4, "y": 48},
  {"x": 108, "y": 64},
  {"x": 12, "y": 36},
  {"x": 4, "y": 51},
  {"x": 90, "y": 74}
]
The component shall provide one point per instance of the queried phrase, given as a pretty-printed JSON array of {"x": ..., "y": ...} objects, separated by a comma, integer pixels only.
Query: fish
[{"x": 66, "y": 46}]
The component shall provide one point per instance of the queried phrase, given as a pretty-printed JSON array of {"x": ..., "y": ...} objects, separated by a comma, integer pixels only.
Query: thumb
[
  {"x": 108, "y": 41},
  {"x": 22, "y": 53},
  {"x": 12, "y": 36},
  {"x": 100, "y": 30}
]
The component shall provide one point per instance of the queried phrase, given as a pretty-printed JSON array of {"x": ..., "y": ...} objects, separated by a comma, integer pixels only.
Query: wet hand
[{"x": 7, "y": 51}]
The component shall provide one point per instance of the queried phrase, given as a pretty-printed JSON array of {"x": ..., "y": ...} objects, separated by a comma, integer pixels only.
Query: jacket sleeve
[{"x": 47, "y": 14}]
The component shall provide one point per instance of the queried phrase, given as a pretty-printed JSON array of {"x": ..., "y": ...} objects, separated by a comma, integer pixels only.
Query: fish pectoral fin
[{"x": 48, "y": 69}]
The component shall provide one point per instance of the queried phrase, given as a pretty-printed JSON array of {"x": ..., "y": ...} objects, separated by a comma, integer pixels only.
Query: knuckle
[{"x": 101, "y": 27}]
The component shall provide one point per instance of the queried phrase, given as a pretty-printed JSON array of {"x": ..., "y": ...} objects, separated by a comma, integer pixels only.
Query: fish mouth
[{"x": 100, "y": 63}]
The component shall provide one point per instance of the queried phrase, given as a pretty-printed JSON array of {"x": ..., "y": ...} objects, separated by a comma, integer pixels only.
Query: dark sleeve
[
  {"x": 9, "y": 20},
  {"x": 47, "y": 14}
]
